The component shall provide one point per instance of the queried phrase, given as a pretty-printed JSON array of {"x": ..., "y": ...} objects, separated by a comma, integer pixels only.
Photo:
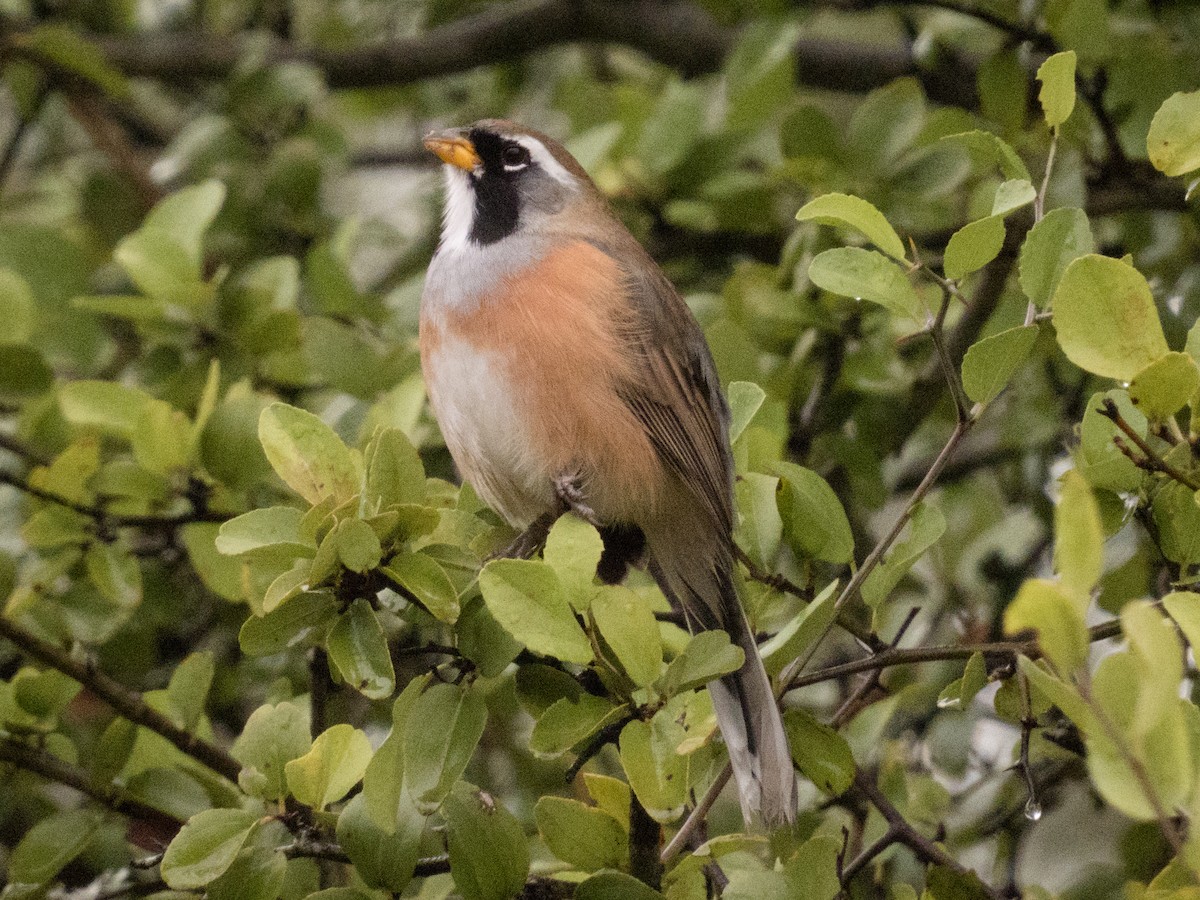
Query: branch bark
[
  {"x": 127, "y": 702},
  {"x": 39, "y": 762}
]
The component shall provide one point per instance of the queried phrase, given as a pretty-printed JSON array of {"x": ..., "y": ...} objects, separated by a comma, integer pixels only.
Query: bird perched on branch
[{"x": 567, "y": 373}]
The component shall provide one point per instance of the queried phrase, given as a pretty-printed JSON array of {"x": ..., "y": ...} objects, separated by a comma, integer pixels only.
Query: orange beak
[{"x": 453, "y": 149}]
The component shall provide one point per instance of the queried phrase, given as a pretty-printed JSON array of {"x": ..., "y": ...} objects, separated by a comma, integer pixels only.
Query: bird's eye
[{"x": 514, "y": 157}]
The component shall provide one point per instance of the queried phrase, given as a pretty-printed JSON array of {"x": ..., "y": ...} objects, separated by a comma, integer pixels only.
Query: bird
[{"x": 567, "y": 373}]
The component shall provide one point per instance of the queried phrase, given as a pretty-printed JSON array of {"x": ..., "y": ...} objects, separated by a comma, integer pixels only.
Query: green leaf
[
  {"x": 186, "y": 216},
  {"x": 52, "y": 843},
  {"x": 45, "y": 694},
  {"x": 1184, "y": 608},
  {"x": 1046, "y": 608},
  {"x": 529, "y": 602},
  {"x": 482, "y": 640},
  {"x": 814, "y": 521},
  {"x": 489, "y": 855},
  {"x": 325, "y": 774},
  {"x": 382, "y": 859},
  {"x": 395, "y": 473},
  {"x": 23, "y": 373},
  {"x": 301, "y": 622},
  {"x": 570, "y": 721},
  {"x": 795, "y": 638},
  {"x": 256, "y": 874},
  {"x": 1177, "y": 518},
  {"x": 987, "y": 146},
  {"x": 272, "y": 737},
  {"x": 657, "y": 774},
  {"x": 820, "y": 752},
  {"x": 358, "y": 650},
  {"x": 1061, "y": 237},
  {"x": 585, "y": 837},
  {"x": 67, "y": 48},
  {"x": 422, "y": 577},
  {"x": 383, "y": 783},
  {"x": 160, "y": 268},
  {"x": 1165, "y": 386},
  {"x": 745, "y": 400},
  {"x": 275, "y": 527},
  {"x": 1105, "y": 318},
  {"x": 114, "y": 571},
  {"x": 1012, "y": 195},
  {"x": 1057, "y": 94},
  {"x": 1173, "y": 142},
  {"x": 973, "y": 246},
  {"x": 925, "y": 527},
  {"x": 989, "y": 365},
  {"x": 188, "y": 688},
  {"x": 615, "y": 886},
  {"x": 959, "y": 693},
  {"x": 1159, "y": 659},
  {"x": 436, "y": 754},
  {"x": 205, "y": 847},
  {"x": 629, "y": 628},
  {"x": 307, "y": 454},
  {"x": 573, "y": 550},
  {"x": 357, "y": 545},
  {"x": 867, "y": 275},
  {"x": 17, "y": 308},
  {"x": 707, "y": 657},
  {"x": 1078, "y": 539},
  {"x": 760, "y": 527},
  {"x": 854, "y": 212}
]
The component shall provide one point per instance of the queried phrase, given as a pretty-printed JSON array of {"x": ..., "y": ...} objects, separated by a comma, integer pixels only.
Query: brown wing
[{"x": 677, "y": 396}]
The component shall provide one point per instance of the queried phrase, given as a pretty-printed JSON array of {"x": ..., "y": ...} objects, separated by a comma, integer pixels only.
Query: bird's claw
[{"x": 571, "y": 496}]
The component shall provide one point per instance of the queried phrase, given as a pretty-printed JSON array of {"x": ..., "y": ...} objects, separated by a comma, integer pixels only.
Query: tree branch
[
  {"x": 993, "y": 651},
  {"x": 127, "y": 702},
  {"x": 925, "y": 849},
  {"x": 103, "y": 517},
  {"x": 39, "y": 762}
]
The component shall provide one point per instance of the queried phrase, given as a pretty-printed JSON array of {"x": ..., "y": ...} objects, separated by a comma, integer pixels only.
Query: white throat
[{"x": 458, "y": 214}]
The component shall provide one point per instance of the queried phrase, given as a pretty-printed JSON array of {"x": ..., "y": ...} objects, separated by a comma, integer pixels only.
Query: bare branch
[
  {"x": 103, "y": 517},
  {"x": 127, "y": 702}
]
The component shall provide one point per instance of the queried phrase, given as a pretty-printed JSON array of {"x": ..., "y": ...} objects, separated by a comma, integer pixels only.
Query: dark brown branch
[
  {"x": 1153, "y": 460},
  {"x": 127, "y": 702},
  {"x": 18, "y": 447},
  {"x": 39, "y": 762},
  {"x": 925, "y": 849},
  {"x": 994, "y": 652},
  {"x": 104, "y": 518}
]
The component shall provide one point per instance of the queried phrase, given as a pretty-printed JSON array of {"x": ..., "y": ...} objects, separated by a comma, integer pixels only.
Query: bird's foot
[
  {"x": 570, "y": 495},
  {"x": 530, "y": 541}
]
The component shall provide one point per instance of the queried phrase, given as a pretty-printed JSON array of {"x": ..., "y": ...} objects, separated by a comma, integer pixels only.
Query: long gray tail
[
  {"x": 744, "y": 702},
  {"x": 758, "y": 748}
]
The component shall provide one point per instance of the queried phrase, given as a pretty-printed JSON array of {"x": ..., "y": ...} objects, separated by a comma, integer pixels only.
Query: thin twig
[
  {"x": 876, "y": 555},
  {"x": 871, "y": 682},
  {"x": 925, "y": 849},
  {"x": 697, "y": 815},
  {"x": 105, "y": 518},
  {"x": 1153, "y": 461},
  {"x": 127, "y": 702},
  {"x": 993, "y": 651}
]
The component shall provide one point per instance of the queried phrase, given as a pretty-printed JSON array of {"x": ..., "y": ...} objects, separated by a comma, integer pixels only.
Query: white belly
[{"x": 485, "y": 432}]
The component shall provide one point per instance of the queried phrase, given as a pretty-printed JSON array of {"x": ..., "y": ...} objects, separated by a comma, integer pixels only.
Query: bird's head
[{"x": 502, "y": 178}]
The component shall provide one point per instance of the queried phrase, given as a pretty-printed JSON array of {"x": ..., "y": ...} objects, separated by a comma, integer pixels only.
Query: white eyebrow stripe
[{"x": 541, "y": 156}]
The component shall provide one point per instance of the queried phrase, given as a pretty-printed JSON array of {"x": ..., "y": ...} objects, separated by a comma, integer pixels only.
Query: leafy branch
[{"x": 124, "y": 700}]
